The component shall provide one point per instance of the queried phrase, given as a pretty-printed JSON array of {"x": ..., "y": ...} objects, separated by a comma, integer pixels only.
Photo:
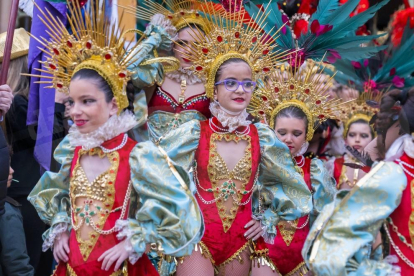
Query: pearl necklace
[
  {"x": 299, "y": 227},
  {"x": 403, "y": 165},
  {"x": 213, "y": 127},
  {"x": 124, "y": 141},
  {"x": 301, "y": 162}
]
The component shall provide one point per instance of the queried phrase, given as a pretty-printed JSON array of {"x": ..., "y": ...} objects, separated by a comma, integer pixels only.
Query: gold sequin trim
[
  {"x": 287, "y": 231},
  {"x": 301, "y": 268},
  {"x": 411, "y": 220},
  {"x": 120, "y": 272},
  {"x": 217, "y": 170},
  {"x": 261, "y": 257},
  {"x": 235, "y": 256},
  {"x": 100, "y": 189}
]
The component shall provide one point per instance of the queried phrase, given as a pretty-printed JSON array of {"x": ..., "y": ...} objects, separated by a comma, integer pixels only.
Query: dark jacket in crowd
[
  {"x": 14, "y": 260},
  {"x": 22, "y": 139},
  {"x": 4, "y": 170}
]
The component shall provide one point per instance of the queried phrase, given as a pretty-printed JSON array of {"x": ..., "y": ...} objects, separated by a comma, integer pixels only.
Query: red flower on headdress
[
  {"x": 81, "y": 2},
  {"x": 334, "y": 56},
  {"x": 231, "y": 5},
  {"x": 370, "y": 85},
  {"x": 398, "y": 82},
  {"x": 318, "y": 29},
  {"x": 296, "y": 58},
  {"x": 400, "y": 21}
]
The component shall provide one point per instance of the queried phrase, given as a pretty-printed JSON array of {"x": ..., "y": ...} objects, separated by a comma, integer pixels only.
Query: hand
[
  {"x": 61, "y": 247},
  {"x": 117, "y": 254},
  {"x": 255, "y": 230},
  {"x": 6, "y": 98}
]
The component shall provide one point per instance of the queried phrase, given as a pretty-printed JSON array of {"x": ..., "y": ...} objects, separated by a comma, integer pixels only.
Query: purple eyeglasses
[{"x": 232, "y": 85}]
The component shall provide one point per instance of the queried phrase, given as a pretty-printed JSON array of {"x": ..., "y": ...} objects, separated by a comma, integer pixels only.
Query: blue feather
[
  {"x": 325, "y": 7},
  {"x": 341, "y": 14},
  {"x": 402, "y": 59},
  {"x": 274, "y": 20},
  {"x": 354, "y": 41},
  {"x": 348, "y": 26}
]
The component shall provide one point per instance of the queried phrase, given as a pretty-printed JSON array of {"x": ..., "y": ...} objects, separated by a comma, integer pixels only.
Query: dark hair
[
  {"x": 362, "y": 121},
  {"x": 227, "y": 62},
  {"x": 102, "y": 84},
  {"x": 395, "y": 105},
  {"x": 293, "y": 112}
]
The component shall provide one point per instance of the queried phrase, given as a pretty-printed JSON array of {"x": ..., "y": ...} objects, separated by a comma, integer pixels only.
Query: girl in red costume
[
  {"x": 102, "y": 211},
  {"x": 178, "y": 96},
  {"x": 358, "y": 133},
  {"x": 244, "y": 177},
  {"x": 290, "y": 109},
  {"x": 397, "y": 111}
]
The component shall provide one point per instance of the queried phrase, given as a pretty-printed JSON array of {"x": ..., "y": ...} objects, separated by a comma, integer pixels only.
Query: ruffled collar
[
  {"x": 115, "y": 126},
  {"x": 402, "y": 144},
  {"x": 184, "y": 74},
  {"x": 232, "y": 123}
]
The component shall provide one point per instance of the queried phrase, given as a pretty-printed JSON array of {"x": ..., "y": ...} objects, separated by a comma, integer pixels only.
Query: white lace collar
[
  {"x": 402, "y": 144},
  {"x": 226, "y": 120},
  {"x": 112, "y": 128},
  {"x": 184, "y": 74}
]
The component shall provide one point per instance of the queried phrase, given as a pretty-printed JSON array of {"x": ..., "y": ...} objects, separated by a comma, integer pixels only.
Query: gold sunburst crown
[
  {"x": 179, "y": 12},
  {"x": 93, "y": 43},
  {"x": 306, "y": 88},
  {"x": 362, "y": 108},
  {"x": 230, "y": 38}
]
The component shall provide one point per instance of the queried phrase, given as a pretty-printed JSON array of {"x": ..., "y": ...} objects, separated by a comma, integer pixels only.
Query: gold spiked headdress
[
  {"x": 301, "y": 88},
  {"x": 360, "y": 109},
  {"x": 230, "y": 38},
  {"x": 180, "y": 12},
  {"x": 92, "y": 44}
]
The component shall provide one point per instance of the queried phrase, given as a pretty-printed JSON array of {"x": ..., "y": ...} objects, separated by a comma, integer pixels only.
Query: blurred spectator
[
  {"x": 22, "y": 139},
  {"x": 13, "y": 254}
]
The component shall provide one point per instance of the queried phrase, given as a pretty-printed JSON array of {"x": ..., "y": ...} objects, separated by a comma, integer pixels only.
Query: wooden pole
[{"x": 9, "y": 41}]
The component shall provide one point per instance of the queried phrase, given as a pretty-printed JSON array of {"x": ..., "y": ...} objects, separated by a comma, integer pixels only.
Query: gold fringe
[
  {"x": 234, "y": 256},
  {"x": 120, "y": 272},
  {"x": 260, "y": 257},
  {"x": 205, "y": 252},
  {"x": 301, "y": 268}
]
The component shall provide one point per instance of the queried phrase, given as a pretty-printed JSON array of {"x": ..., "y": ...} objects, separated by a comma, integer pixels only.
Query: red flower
[
  {"x": 318, "y": 29},
  {"x": 356, "y": 64},
  {"x": 398, "y": 82}
]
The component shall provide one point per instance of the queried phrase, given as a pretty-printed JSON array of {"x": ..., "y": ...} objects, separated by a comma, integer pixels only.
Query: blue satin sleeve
[
  {"x": 323, "y": 186},
  {"x": 340, "y": 240},
  {"x": 169, "y": 214},
  {"x": 50, "y": 196},
  {"x": 159, "y": 36},
  {"x": 283, "y": 190}
]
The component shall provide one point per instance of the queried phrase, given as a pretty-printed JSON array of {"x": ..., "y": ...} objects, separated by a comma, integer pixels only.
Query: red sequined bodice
[{"x": 164, "y": 101}]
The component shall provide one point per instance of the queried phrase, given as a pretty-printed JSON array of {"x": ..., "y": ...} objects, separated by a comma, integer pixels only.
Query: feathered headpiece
[
  {"x": 179, "y": 12},
  {"x": 298, "y": 87},
  {"x": 363, "y": 108},
  {"x": 93, "y": 43},
  {"x": 390, "y": 68},
  {"x": 228, "y": 39},
  {"x": 331, "y": 30},
  {"x": 400, "y": 21}
]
